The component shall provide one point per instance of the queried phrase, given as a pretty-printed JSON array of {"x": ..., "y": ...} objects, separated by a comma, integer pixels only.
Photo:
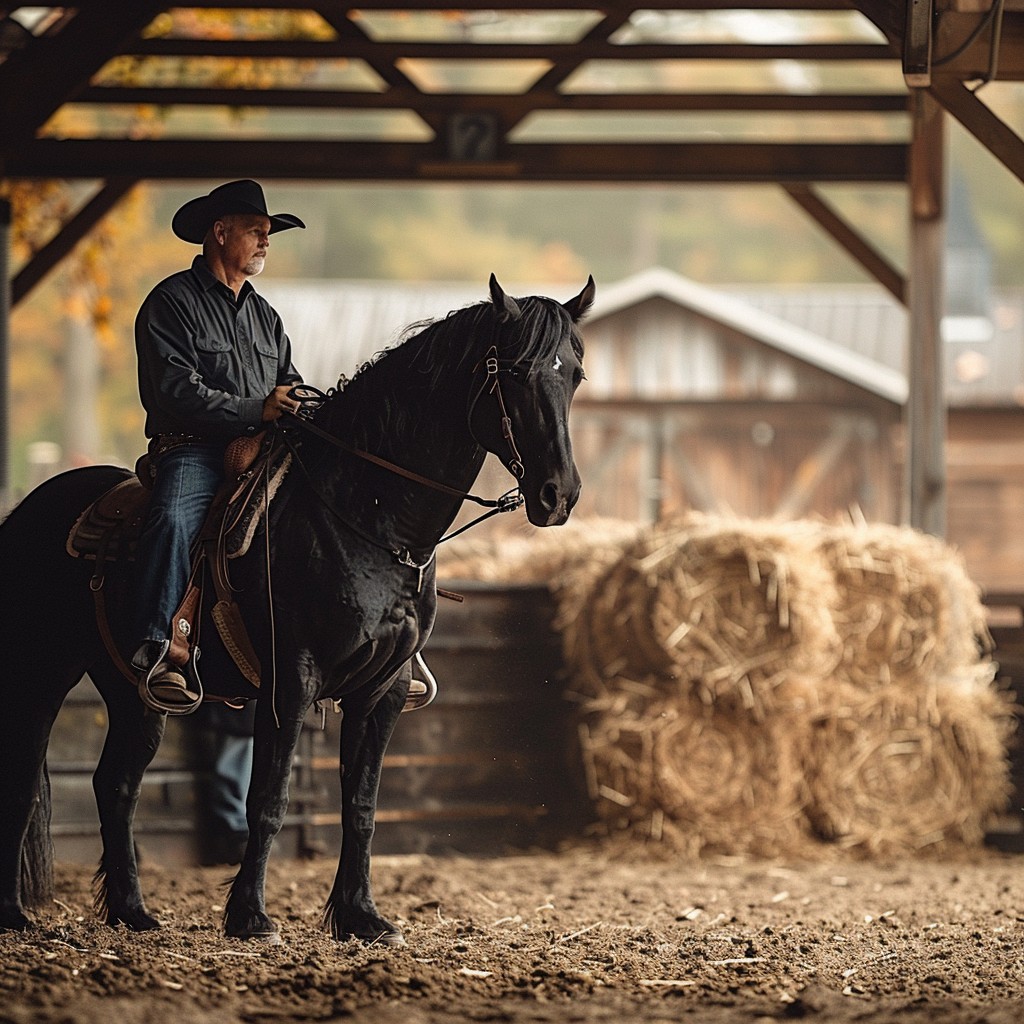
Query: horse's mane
[{"x": 432, "y": 354}]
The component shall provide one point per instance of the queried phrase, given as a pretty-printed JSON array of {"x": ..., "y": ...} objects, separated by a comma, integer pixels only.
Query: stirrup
[
  {"x": 152, "y": 675},
  {"x": 421, "y": 693}
]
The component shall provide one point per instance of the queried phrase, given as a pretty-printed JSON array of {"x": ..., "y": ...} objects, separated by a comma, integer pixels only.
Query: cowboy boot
[{"x": 162, "y": 686}]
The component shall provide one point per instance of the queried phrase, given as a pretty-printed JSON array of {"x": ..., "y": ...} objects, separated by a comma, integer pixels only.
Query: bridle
[
  {"x": 492, "y": 366},
  {"x": 311, "y": 399}
]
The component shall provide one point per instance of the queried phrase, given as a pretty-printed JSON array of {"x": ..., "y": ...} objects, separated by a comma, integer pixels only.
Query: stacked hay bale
[
  {"x": 909, "y": 747},
  {"x": 693, "y": 659},
  {"x": 756, "y": 687}
]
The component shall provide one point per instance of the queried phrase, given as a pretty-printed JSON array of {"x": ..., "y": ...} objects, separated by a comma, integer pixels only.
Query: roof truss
[{"x": 62, "y": 64}]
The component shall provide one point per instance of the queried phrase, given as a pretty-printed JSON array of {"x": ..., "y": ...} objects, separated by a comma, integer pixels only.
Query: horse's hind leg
[
  {"x": 23, "y": 741},
  {"x": 133, "y": 737}
]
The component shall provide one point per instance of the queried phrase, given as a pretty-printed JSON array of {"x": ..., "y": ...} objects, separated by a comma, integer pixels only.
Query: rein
[{"x": 311, "y": 398}]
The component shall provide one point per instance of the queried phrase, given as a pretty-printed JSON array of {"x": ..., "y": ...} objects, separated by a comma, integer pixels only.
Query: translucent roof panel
[
  {"x": 36, "y": 19},
  {"x": 721, "y": 126},
  {"x": 737, "y": 76},
  {"x": 262, "y": 23},
  {"x": 122, "y": 120},
  {"x": 265, "y": 73},
  {"x": 460, "y": 26},
  {"x": 476, "y": 76},
  {"x": 748, "y": 26}
]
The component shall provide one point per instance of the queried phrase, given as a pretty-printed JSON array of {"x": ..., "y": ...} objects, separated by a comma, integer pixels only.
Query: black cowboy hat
[{"x": 193, "y": 220}]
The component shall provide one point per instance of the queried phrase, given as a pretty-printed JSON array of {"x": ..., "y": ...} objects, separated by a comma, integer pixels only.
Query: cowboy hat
[{"x": 194, "y": 219}]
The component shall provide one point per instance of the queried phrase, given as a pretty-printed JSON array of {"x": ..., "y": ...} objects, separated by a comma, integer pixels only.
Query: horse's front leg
[
  {"x": 276, "y": 735},
  {"x": 365, "y": 732},
  {"x": 133, "y": 738}
]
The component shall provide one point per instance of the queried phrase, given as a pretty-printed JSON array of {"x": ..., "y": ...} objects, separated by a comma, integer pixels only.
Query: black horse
[{"x": 351, "y": 597}]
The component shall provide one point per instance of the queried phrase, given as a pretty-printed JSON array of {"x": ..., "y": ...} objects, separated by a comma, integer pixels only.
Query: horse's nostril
[{"x": 549, "y": 496}]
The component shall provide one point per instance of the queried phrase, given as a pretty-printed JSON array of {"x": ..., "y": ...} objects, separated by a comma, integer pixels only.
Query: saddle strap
[
  {"x": 103, "y": 625},
  {"x": 102, "y": 621},
  {"x": 228, "y": 617}
]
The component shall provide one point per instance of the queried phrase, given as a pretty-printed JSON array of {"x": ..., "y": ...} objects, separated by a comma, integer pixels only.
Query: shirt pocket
[
  {"x": 214, "y": 359},
  {"x": 266, "y": 359}
]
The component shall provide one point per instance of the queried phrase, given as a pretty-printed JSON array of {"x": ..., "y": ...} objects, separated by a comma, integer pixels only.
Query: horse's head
[{"x": 521, "y": 410}]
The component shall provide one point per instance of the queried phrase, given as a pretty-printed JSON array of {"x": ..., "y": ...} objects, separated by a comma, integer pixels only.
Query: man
[{"x": 214, "y": 364}]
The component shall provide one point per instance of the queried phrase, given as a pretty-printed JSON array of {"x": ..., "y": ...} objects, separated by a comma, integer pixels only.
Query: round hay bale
[
  {"x": 907, "y": 612},
  {"x": 894, "y": 771},
  {"x": 737, "y": 607},
  {"x": 695, "y": 777}
]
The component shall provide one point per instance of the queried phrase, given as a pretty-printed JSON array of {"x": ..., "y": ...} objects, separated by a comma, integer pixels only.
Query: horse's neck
[{"x": 420, "y": 430}]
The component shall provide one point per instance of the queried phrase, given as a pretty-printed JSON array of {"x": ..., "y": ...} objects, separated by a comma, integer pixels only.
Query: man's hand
[{"x": 278, "y": 402}]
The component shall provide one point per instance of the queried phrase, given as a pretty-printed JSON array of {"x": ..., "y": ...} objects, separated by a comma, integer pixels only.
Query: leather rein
[{"x": 311, "y": 399}]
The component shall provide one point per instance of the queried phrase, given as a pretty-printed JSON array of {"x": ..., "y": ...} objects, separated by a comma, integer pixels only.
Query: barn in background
[{"x": 768, "y": 402}]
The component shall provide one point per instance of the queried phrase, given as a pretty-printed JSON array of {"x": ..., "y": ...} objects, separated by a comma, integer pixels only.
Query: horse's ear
[
  {"x": 578, "y": 306},
  {"x": 507, "y": 307}
]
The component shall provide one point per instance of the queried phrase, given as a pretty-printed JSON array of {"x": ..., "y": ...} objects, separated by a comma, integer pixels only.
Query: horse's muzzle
[{"x": 555, "y": 503}]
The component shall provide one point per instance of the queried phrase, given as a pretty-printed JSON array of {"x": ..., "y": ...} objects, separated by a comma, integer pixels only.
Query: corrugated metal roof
[{"x": 984, "y": 362}]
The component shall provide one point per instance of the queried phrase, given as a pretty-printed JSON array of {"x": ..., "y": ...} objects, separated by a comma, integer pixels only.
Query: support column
[
  {"x": 6, "y": 497},
  {"x": 925, "y": 418}
]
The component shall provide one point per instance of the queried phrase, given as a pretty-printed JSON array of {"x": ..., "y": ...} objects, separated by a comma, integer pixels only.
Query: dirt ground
[{"x": 581, "y": 936}]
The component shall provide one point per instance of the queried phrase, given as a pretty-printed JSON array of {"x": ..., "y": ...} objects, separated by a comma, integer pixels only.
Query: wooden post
[
  {"x": 6, "y": 498},
  {"x": 925, "y": 460}
]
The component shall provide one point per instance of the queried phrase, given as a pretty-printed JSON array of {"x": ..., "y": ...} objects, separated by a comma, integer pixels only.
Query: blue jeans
[
  {"x": 229, "y": 784},
  {"x": 187, "y": 479}
]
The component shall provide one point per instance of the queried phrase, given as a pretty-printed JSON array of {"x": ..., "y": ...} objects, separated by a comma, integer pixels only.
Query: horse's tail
[{"x": 37, "y": 848}]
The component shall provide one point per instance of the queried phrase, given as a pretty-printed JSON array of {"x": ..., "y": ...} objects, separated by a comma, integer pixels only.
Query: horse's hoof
[
  {"x": 13, "y": 919},
  {"x": 136, "y": 920},
  {"x": 258, "y": 928},
  {"x": 268, "y": 938},
  {"x": 392, "y": 937},
  {"x": 383, "y": 934}
]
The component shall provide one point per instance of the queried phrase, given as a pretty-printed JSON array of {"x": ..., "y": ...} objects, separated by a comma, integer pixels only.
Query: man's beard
[{"x": 254, "y": 266}]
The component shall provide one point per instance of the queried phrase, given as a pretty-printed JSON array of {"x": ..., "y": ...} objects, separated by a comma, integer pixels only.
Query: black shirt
[{"x": 207, "y": 361}]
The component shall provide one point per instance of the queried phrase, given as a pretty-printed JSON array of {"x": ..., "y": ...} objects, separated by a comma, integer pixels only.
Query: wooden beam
[
  {"x": 69, "y": 236},
  {"x": 371, "y": 50},
  {"x": 886, "y": 16},
  {"x": 849, "y": 238},
  {"x": 534, "y": 5},
  {"x": 953, "y": 29},
  {"x": 51, "y": 70},
  {"x": 326, "y": 160},
  {"x": 925, "y": 462},
  {"x": 603, "y": 30},
  {"x": 514, "y": 104},
  {"x": 995, "y": 135},
  {"x": 348, "y": 29}
]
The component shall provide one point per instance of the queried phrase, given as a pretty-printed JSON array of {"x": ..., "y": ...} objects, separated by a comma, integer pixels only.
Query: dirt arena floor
[{"x": 582, "y": 936}]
